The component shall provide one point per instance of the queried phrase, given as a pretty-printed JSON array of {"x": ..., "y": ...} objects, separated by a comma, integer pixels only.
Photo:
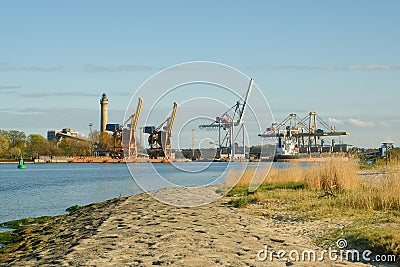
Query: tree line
[{"x": 15, "y": 143}]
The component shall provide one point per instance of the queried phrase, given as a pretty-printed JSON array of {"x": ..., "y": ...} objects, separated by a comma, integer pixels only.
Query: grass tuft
[{"x": 371, "y": 205}]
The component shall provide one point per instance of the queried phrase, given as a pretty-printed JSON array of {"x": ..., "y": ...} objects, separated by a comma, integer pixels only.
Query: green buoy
[{"x": 21, "y": 164}]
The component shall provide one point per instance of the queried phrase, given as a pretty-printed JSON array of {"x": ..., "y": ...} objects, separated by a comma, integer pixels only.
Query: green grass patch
[
  {"x": 243, "y": 201},
  {"x": 377, "y": 231},
  {"x": 12, "y": 236},
  {"x": 282, "y": 185},
  {"x": 27, "y": 221},
  {"x": 73, "y": 209},
  {"x": 243, "y": 190},
  {"x": 8, "y": 237}
]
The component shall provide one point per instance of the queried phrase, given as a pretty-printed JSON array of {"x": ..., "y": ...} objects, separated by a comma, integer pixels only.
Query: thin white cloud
[
  {"x": 21, "y": 111},
  {"x": 330, "y": 68},
  {"x": 118, "y": 68},
  {"x": 42, "y": 69},
  {"x": 9, "y": 87},
  {"x": 39, "y": 95},
  {"x": 375, "y": 67},
  {"x": 335, "y": 121},
  {"x": 384, "y": 124},
  {"x": 5, "y": 67},
  {"x": 360, "y": 123},
  {"x": 57, "y": 94},
  {"x": 7, "y": 92}
]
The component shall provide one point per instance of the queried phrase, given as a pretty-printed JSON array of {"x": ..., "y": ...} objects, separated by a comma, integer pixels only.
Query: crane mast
[
  {"x": 167, "y": 141},
  {"x": 246, "y": 100},
  {"x": 231, "y": 122},
  {"x": 132, "y": 145},
  {"x": 159, "y": 140}
]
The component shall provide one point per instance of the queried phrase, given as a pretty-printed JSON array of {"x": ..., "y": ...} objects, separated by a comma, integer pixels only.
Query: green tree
[
  {"x": 17, "y": 139},
  {"x": 65, "y": 146},
  {"x": 14, "y": 152},
  {"x": 71, "y": 147},
  {"x": 3, "y": 145},
  {"x": 37, "y": 145},
  {"x": 4, "y": 133},
  {"x": 54, "y": 149},
  {"x": 80, "y": 148},
  {"x": 102, "y": 141}
]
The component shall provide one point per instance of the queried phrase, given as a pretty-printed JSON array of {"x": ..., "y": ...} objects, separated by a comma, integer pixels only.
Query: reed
[
  {"x": 322, "y": 176},
  {"x": 372, "y": 206},
  {"x": 380, "y": 194},
  {"x": 339, "y": 177},
  {"x": 332, "y": 176}
]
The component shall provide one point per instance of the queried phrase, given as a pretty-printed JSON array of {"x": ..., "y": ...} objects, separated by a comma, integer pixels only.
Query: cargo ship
[{"x": 300, "y": 140}]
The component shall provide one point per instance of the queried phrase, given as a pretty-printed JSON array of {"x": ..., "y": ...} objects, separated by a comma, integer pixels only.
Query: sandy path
[{"x": 140, "y": 231}]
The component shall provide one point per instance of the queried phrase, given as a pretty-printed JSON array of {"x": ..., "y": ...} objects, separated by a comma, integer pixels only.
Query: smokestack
[{"x": 103, "y": 113}]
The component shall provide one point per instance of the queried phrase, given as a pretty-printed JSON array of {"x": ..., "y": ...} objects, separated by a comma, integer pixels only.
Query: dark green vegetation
[
  {"x": 15, "y": 143},
  {"x": 12, "y": 236},
  {"x": 8, "y": 237},
  {"x": 27, "y": 221},
  {"x": 73, "y": 209},
  {"x": 376, "y": 231}
]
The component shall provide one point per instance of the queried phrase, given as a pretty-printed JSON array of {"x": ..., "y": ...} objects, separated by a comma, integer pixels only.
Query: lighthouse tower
[{"x": 103, "y": 113}]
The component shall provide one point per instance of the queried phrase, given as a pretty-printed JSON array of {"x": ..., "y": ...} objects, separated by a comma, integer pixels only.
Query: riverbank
[{"x": 141, "y": 231}]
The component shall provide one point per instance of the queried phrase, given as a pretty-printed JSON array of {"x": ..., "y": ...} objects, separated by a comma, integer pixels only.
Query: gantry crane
[
  {"x": 160, "y": 138},
  {"x": 228, "y": 121},
  {"x": 120, "y": 132},
  {"x": 294, "y": 134}
]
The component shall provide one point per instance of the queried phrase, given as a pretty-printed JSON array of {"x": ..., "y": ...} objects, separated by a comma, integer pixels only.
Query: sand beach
[{"x": 141, "y": 231}]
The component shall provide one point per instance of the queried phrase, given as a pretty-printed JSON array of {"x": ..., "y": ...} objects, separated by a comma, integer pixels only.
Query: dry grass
[
  {"x": 382, "y": 193},
  {"x": 322, "y": 176},
  {"x": 332, "y": 175},
  {"x": 372, "y": 206}
]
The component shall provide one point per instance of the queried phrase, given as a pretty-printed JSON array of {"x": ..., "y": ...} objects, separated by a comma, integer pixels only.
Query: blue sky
[{"x": 339, "y": 58}]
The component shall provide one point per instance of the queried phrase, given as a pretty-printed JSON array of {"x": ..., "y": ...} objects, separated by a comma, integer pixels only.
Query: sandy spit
[{"x": 141, "y": 231}]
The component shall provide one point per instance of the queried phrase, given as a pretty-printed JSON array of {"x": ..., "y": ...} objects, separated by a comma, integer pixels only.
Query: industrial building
[{"x": 65, "y": 133}]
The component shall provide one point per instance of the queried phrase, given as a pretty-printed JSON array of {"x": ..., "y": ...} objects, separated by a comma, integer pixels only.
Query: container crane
[
  {"x": 118, "y": 131},
  {"x": 233, "y": 117},
  {"x": 160, "y": 138},
  {"x": 302, "y": 136}
]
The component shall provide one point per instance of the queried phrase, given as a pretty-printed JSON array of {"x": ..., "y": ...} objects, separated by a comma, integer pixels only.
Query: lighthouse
[{"x": 103, "y": 113}]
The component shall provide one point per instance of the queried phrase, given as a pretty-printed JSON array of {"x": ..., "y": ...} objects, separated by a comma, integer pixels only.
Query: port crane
[
  {"x": 227, "y": 122},
  {"x": 294, "y": 135},
  {"x": 132, "y": 144},
  {"x": 120, "y": 132},
  {"x": 160, "y": 138}
]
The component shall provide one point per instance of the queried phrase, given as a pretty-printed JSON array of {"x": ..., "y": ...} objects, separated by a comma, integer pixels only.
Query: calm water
[{"x": 48, "y": 189}]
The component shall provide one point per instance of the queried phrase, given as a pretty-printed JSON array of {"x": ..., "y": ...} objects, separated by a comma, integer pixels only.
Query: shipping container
[
  {"x": 149, "y": 129},
  {"x": 112, "y": 127}
]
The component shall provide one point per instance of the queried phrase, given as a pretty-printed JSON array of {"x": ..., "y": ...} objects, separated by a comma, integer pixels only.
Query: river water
[{"x": 48, "y": 189}]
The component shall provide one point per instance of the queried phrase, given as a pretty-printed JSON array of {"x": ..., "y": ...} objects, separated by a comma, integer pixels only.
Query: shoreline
[{"x": 141, "y": 231}]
